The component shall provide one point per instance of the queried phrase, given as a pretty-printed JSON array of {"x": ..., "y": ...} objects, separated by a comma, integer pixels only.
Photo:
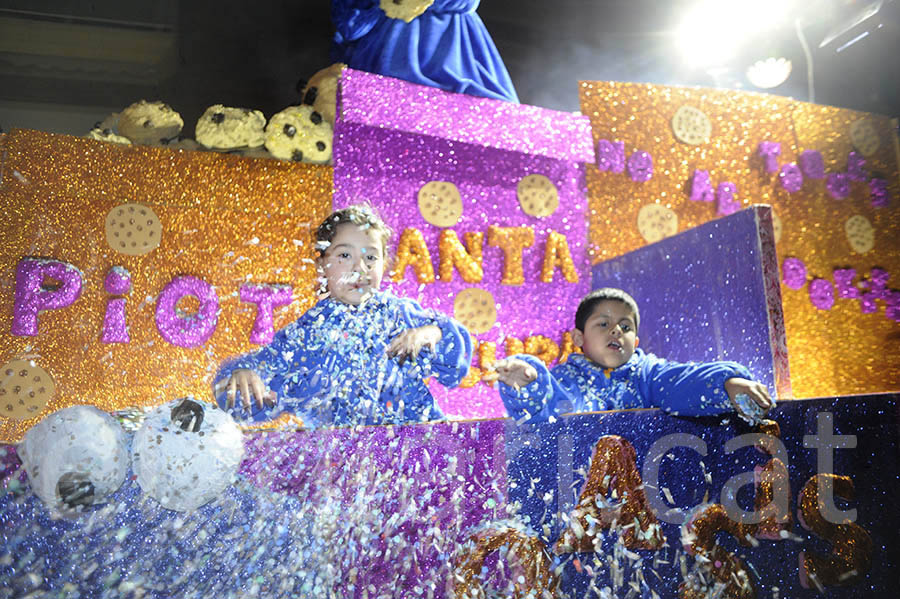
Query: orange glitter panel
[
  {"x": 836, "y": 351},
  {"x": 224, "y": 219}
]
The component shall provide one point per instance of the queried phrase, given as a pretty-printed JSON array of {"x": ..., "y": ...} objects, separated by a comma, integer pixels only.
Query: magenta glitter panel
[{"x": 392, "y": 138}]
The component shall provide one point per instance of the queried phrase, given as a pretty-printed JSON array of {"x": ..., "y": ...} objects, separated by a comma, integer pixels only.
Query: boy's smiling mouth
[{"x": 614, "y": 345}]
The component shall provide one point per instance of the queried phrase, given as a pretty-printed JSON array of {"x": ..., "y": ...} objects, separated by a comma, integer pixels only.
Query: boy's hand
[
  {"x": 756, "y": 391},
  {"x": 248, "y": 382},
  {"x": 514, "y": 372},
  {"x": 411, "y": 341}
]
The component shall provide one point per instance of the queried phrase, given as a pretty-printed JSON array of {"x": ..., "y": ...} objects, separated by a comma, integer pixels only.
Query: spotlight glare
[{"x": 769, "y": 73}]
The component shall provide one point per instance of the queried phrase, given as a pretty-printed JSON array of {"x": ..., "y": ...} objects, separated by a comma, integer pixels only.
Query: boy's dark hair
[
  {"x": 360, "y": 215},
  {"x": 590, "y": 301}
]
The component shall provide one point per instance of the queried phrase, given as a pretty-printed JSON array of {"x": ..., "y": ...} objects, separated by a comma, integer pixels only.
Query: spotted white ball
[
  {"x": 186, "y": 453},
  {"x": 75, "y": 457}
]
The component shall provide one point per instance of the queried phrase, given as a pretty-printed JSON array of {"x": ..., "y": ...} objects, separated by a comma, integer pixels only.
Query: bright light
[
  {"x": 769, "y": 73},
  {"x": 713, "y": 30}
]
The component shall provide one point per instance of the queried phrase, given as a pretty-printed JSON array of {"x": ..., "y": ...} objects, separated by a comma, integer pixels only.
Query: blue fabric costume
[
  {"x": 644, "y": 381},
  {"x": 447, "y": 47},
  {"x": 330, "y": 367}
]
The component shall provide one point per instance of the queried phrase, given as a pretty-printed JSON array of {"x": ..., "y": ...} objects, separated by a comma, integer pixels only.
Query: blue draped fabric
[{"x": 447, "y": 47}]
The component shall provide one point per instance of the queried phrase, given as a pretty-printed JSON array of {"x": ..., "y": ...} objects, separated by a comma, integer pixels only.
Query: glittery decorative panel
[
  {"x": 705, "y": 295},
  {"x": 671, "y": 158},
  {"x": 487, "y": 201},
  {"x": 312, "y": 514},
  {"x": 668, "y": 489},
  {"x": 214, "y": 223}
]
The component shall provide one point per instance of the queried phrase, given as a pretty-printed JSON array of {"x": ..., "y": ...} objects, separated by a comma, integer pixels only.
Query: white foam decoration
[
  {"x": 79, "y": 443},
  {"x": 184, "y": 470}
]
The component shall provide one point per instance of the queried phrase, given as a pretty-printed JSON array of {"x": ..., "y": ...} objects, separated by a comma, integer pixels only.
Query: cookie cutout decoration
[
  {"x": 301, "y": 134},
  {"x": 656, "y": 222},
  {"x": 405, "y": 10},
  {"x": 691, "y": 126},
  {"x": 860, "y": 233},
  {"x": 864, "y": 137},
  {"x": 25, "y": 389},
  {"x": 440, "y": 203},
  {"x": 537, "y": 195},
  {"x": 225, "y": 128},
  {"x": 133, "y": 229},
  {"x": 475, "y": 309},
  {"x": 150, "y": 123},
  {"x": 321, "y": 91}
]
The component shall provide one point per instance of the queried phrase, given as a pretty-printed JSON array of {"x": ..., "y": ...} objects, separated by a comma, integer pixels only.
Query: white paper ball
[
  {"x": 184, "y": 468},
  {"x": 76, "y": 456}
]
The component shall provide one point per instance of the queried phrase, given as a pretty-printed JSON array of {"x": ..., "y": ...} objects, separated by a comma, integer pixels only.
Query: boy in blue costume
[
  {"x": 360, "y": 355},
  {"x": 613, "y": 374}
]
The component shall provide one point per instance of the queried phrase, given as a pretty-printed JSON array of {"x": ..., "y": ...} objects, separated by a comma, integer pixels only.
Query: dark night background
[{"x": 65, "y": 65}]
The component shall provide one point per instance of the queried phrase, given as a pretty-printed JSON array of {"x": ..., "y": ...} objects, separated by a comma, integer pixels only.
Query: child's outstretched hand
[
  {"x": 514, "y": 372},
  {"x": 410, "y": 342},
  {"x": 247, "y": 382},
  {"x": 756, "y": 391}
]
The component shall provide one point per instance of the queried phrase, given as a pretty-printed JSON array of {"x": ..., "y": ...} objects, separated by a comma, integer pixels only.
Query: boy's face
[
  {"x": 609, "y": 335},
  {"x": 353, "y": 265}
]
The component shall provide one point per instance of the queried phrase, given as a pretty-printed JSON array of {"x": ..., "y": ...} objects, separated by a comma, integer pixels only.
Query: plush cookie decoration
[
  {"x": 150, "y": 123},
  {"x": 405, "y": 10},
  {"x": 321, "y": 91},
  {"x": 224, "y": 128},
  {"x": 301, "y": 134},
  {"x": 107, "y": 135}
]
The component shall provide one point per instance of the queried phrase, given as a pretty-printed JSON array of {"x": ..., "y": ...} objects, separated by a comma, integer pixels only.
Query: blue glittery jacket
[
  {"x": 644, "y": 381},
  {"x": 330, "y": 367}
]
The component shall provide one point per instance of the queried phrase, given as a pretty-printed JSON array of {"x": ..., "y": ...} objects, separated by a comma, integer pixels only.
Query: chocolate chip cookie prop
[
  {"x": 133, "y": 229},
  {"x": 691, "y": 126},
  {"x": 226, "y": 128},
  {"x": 25, "y": 388},
  {"x": 150, "y": 123},
  {"x": 405, "y": 10},
  {"x": 299, "y": 133},
  {"x": 864, "y": 137},
  {"x": 321, "y": 91},
  {"x": 860, "y": 233},
  {"x": 475, "y": 309},
  {"x": 537, "y": 195},
  {"x": 440, "y": 203},
  {"x": 656, "y": 222}
]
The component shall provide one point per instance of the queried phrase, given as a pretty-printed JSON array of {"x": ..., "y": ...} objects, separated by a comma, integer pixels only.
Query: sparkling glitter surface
[
  {"x": 388, "y": 166},
  {"x": 385, "y": 102},
  {"x": 813, "y": 218},
  {"x": 225, "y": 220}
]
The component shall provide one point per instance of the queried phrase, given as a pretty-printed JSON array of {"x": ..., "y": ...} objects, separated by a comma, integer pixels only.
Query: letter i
[{"x": 115, "y": 330}]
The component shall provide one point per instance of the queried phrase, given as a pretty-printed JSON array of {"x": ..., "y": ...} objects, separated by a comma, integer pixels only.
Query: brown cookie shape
[
  {"x": 440, "y": 203},
  {"x": 133, "y": 229},
  {"x": 476, "y": 309},
  {"x": 864, "y": 137},
  {"x": 860, "y": 233},
  {"x": 691, "y": 125},
  {"x": 537, "y": 195},
  {"x": 25, "y": 388},
  {"x": 656, "y": 222}
]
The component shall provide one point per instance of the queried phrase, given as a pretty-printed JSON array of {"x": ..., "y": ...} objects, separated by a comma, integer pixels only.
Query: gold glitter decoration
[
  {"x": 227, "y": 220},
  {"x": 133, "y": 229},
  {"x": 813, "y": 222},
  {"x": 613, "y": 470},
  {"x": 475, "y": 309},
  {"x": 557, "y": 254},
  {"x": 568, "y": 347},
  {"x": 537, "y": 195},
  {"x": 412, "y": 251},
  {"x": 851, "y": 545},
  {"x": 487, "y": 354},
  {"x": 514, "y": 346},
  {"x": 452, "y": 254},
  {"x": 773, "y": 490},
  {"x": 440, "y": 203},
  {"x": 721, "y": 569},
  {"x": 543, "y": 348},
  {"x": 525, "y": 555},
  {"x": 25, "y": 388},
  {"x": 512, "y": 240}
]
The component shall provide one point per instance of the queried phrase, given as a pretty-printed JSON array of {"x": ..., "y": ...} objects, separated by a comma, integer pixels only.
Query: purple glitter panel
[
  {"x": 387, "y": 167},
  {"x": 702, "y": 294},
  {"x": 384, "y": 102}
]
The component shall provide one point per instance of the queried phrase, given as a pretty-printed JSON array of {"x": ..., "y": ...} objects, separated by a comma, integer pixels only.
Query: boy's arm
[
  {"x": 692, "y": 389},
  {"x": 538, "y": 400},
  {"x": 451, "y": 356}
]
